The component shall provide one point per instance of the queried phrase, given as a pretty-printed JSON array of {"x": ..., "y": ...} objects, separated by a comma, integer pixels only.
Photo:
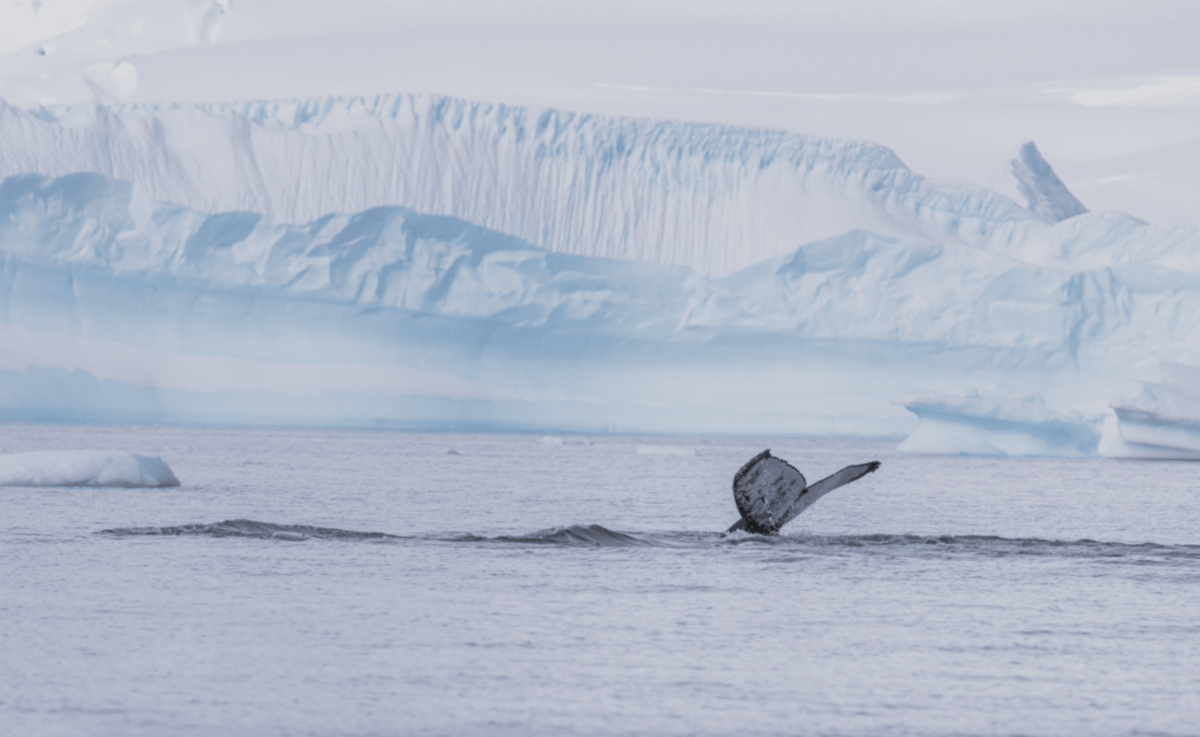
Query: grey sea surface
[{"x": 336, "y": 582}]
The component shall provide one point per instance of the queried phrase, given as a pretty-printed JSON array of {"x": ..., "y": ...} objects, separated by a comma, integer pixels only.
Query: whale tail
[{"x": 770, "y": 492}]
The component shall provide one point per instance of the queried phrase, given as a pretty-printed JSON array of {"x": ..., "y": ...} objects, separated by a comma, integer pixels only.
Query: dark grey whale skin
[{"x": 770, "y": 492}]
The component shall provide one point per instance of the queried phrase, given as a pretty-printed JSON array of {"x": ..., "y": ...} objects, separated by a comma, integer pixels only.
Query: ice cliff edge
[{"x": 713, "y": 198}]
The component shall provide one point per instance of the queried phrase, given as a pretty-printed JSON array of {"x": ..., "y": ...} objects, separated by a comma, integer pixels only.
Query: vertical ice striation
[
  {"x": 1048, "y": 197},
  {"x": 710, "y": 197}
]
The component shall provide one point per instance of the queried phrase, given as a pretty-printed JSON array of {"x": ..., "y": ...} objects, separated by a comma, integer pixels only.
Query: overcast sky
[{"x": 869, "y": 44}]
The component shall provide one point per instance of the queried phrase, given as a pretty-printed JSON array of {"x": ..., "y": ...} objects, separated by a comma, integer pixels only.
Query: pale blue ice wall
[
  {"x": 119, "y": 306},
  {"x": 713, "y": 198}
]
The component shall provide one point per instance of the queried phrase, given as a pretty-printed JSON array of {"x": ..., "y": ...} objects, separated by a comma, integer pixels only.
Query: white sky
[{"x": 1109, "y": 89}]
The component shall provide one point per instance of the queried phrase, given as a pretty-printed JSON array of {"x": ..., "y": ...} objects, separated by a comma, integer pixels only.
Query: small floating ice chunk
[
  {"x": 995, "y": 423},
  {"x": 1159, "y": 420},
  {"x": 568, "y": 440},
  {"x": 85, "y": 468},
  {"x": 665, "y": 450}
]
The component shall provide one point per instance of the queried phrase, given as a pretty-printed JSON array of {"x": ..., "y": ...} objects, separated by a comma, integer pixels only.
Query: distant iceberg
[
  {"x": 425, "y": 262},
  {"x": 713, "y": 198},
  {"x": 119, "y": 307},
  {"x": 84, "y": 468},
  {"x": 1158, "y": 420},
  {"x": 993, "y": 423}
]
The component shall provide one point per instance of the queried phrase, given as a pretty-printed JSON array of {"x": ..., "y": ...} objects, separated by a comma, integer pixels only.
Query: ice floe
[
  {"x": 1158, "y": 420},
  {"x": 995, "y": 423},
  {"x": 84, "y": 468}
]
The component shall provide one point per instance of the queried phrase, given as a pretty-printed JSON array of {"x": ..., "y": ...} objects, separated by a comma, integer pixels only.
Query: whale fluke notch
[{"x": 770, "y": 492}]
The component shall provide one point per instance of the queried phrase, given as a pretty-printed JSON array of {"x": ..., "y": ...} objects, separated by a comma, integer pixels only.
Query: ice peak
[{"x": 1041, "y": 187}]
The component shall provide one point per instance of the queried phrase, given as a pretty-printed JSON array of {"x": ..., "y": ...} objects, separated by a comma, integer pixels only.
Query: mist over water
[{"x": 340, "y": 582}]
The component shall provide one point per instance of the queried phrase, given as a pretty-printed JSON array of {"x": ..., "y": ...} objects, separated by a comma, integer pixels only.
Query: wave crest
[
  {"x": 571, "y": 535},
  {"x": 598, "y": 536},
  {"x": 595, "y": 536},
  {"x": 250, "y": 528}
]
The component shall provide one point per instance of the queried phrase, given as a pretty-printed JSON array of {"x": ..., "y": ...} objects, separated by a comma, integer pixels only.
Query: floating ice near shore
[
  {"x": 1158, "y": 420},
  {"x": 84, "y": 468},
  {"x": 992, "y": 423}
]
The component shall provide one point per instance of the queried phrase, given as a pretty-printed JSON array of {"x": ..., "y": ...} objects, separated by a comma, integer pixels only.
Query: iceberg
[
  {"x": 1158, "y": 420},
  {"x": 994, "y": 423},
  {"x": 712, "y": 198},
  {"x": 426, "y": 262},
  {"x": 85, "y": 468}
]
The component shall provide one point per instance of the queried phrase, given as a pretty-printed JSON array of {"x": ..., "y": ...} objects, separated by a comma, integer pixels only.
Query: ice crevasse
[{"x": 428, "y": 262}]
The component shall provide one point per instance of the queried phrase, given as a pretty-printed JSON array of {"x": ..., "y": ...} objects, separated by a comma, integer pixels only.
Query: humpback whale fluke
[{"x": 770, "y": 492}]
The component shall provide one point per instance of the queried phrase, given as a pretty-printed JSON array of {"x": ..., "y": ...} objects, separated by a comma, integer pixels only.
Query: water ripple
[
  {"x": 797, "y": 547},
  {"x": 252, "y": 529}
]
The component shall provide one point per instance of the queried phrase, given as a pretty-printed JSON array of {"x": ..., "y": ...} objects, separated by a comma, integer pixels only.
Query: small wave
[
  {"x": 594, "y": 536},
  {"x": 250, "y": 528},
  {"x": 984, "y": 545},
  {"x": 802, "y": 546},
  {"x": 573, "y": 535}
]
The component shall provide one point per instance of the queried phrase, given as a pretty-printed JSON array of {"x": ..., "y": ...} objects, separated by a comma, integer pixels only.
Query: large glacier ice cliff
[
  {"x": 710, "y": 197},
  {"x": 419, "y": 261}
]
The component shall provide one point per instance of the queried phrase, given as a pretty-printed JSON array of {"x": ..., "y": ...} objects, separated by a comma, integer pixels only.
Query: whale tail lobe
[{"x": 770, "y": 492}]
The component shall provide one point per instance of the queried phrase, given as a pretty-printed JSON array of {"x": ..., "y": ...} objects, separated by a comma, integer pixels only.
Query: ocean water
[{"x": 524, "y": 587}]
